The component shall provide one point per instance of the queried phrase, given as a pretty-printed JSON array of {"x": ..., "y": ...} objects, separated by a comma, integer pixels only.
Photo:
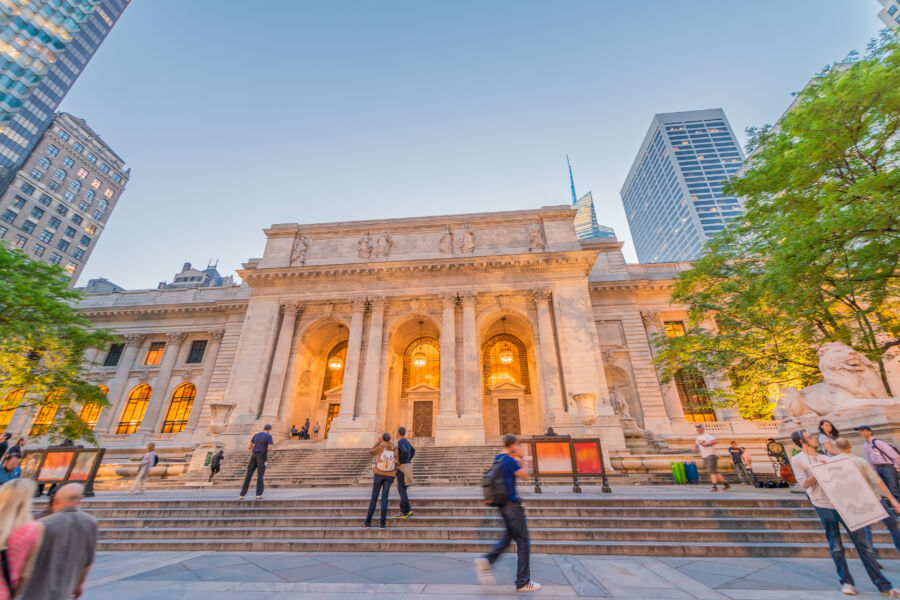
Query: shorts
[{"x": 712, "y": 464}]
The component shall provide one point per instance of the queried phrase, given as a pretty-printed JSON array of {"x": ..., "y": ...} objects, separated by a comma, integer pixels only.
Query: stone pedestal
[
  {"x": 198, "y": 458},
  {"x": 884, "y": 421},
  {"x": 467, "y": 430},
  {"x": 357, "y": 433}
]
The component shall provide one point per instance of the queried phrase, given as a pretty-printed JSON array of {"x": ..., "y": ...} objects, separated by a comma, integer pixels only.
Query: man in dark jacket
[
  {"x": 405, "y": 453},
  {"x": 215, "y": 463}
]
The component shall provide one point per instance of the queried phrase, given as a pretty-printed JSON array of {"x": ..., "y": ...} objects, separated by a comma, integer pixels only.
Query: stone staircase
[{"x": 725, "y": 526}]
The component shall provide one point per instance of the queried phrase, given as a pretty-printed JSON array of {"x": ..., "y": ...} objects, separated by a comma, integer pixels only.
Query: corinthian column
[
  {"x": 448, "y": 356},
  {"x": 127, "y": 361},
  {"x": 351, "y": 365},
  {"x": 280, "y": 362},
  {"x": 373, "y": 359},
  {"x": 471, "y": 372},
  {"x": 550, "y": 382},
  {"x": 159, "y": 396}
]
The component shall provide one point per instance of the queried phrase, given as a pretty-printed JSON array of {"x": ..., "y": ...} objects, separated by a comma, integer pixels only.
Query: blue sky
[{"x": 232, "y": 119}]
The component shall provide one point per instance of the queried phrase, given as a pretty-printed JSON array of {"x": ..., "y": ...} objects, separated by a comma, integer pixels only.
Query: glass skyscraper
[
  {"x": 673, "y": 194},
  {"x": 44, "y": 47},
  {"x": 586, "y": 225}
]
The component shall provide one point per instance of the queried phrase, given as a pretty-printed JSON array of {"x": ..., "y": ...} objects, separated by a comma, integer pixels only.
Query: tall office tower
[
  {"x": 44, "y": 47},
  {"x": 673, "y": 194},
  {"x": 586, "y": 225},
  {"x": 890, "y": 13},
  {"x": 60, "y": 200}
]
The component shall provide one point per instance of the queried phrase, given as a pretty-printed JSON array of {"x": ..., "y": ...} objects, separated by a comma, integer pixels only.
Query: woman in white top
[{"x": 828, "y": 433}]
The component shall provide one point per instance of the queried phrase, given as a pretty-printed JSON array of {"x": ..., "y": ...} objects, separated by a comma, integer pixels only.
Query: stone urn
[
  {"x": 218, "y": 417},
  {"x": 587, "y": 408}
]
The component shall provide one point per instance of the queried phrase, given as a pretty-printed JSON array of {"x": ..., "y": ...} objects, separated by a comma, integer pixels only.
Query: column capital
[
  {"x": 357, "y": 304},
  {"x": 134, "y": 338},
  {"x": 216, "y": 334},
  {"x": 294, "y": 308},
  {"x": 176, "y": 337},
  {"x": 469, "y": 297},
  {"x": 650, "y": 318},
  {"x": 540, "y": 295},
  {"x": 449, "y": 299},
  {"x": 379, "y": 302}
]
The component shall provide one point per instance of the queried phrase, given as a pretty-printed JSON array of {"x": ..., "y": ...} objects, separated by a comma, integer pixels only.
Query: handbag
[{"x": 406, "y": 469}]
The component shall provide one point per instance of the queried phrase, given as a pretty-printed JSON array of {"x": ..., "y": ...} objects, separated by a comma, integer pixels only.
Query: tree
[
  {"x": 815, "y": 256},
  {"x": 42, "y": 344}
]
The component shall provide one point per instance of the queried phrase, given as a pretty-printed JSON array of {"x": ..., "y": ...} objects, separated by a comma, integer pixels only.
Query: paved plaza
[{"x": 432, "y": 576}]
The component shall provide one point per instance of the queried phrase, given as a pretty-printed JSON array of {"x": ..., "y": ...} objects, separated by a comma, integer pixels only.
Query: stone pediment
[
  {"x": 335, "y": 391},
  {"x": 507, "y": 386},
  {"x": 549, "y": 229},
  {"x": 423, "y": 388}
]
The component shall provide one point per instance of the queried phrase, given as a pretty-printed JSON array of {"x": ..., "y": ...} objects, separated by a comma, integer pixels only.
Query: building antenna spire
[{"x": 571, "y": 180}]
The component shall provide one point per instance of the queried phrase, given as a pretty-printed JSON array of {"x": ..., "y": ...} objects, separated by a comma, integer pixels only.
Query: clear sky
[{"x": 233, "y": 118}]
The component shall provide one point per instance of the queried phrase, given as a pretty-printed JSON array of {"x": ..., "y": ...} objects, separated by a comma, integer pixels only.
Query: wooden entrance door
[
  {"x": 333, "y": 410},
  {"x": 422, "y": 419},
  {"x": 508, "y": 409}
]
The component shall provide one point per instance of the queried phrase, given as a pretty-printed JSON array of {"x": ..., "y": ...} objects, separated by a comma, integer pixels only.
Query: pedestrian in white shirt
[
  {"x": 706, "y": 445},
  {"x": 148, "y": 461},
  {"x": 802, "y": 465}
]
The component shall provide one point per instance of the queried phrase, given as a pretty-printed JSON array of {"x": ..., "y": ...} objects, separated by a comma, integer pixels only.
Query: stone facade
[{"x": 459, "y": 327}]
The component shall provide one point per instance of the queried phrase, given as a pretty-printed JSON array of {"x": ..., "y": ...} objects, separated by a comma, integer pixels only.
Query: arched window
[
  {"x": 89, "y": 195},
  {"x": 503, "y": 358},
  {"x": 134, "y": 410},
  {"x": 422, "y": 363},
  {"x": 335, "y": 376},
  {"x": 9, "y": 404},
  {"x": 45, "y": 415},
  {"x": 75, "y": 185},
  {"x": 60, "y": 174},
  {"x": 44, "y": 162},
  {"x": 179, "y": 408},
  {"x": 694, "y": 396},
  {"x": 90, "y": 413}
]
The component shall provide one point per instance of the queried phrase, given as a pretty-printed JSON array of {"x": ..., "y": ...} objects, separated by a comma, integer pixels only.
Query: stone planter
[
  {"x": 218, "y": 417},
  {"x": 587, "y": 408}
]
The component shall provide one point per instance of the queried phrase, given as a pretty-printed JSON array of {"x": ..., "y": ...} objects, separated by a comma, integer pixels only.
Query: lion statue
[{"x": 851, "y": 381}]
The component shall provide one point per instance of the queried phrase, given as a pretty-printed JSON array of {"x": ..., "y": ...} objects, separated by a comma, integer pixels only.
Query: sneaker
[
  {"x": 848, "y": 589},
  {"x": 259, "y": 497},
  {"x": 726, "y": 487},
  {"x": 891, "y": 593},
  {"x": 483, "y": 571},
  {"x": 365, "y": 525},
  {"x": 240, "y": 497},
  {"x": 714, "y": 489},
  {"x": 531, "y": 586},
  {"x": 407, "y": 515}
]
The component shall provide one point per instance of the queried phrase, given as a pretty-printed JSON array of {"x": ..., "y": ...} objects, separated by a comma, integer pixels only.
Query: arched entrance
[{"x": 413, "y": 378}]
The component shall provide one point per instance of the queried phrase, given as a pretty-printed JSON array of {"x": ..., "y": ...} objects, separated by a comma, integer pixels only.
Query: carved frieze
[
  {"x": 299, "y": 250},
  {"x": 537, "y": 241}
]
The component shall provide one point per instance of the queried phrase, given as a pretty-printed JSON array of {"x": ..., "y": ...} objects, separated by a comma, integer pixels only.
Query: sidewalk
[{"x": 446, "y": 576}]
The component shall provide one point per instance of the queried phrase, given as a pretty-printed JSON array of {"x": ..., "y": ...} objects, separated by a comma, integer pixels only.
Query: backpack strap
[
  {"x": 6, "y": 574},
  {"x": 880, "y": 451}
]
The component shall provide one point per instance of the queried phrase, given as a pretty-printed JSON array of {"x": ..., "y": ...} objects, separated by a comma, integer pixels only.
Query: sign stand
[{"x": 563, "y": 456}]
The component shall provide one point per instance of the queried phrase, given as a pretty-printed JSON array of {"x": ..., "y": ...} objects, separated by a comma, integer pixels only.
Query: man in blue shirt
[
  {"x": 405, "y": 453},
  {"x": 514, "y": 519},
  {"x": 9, "y": 468},
  {"x": 260, "y": 444}
]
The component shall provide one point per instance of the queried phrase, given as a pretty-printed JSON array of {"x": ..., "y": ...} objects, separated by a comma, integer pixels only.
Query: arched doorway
[
  {"x": 333, "y": 383},
  {"x": 507, "y": 387},
  {"x": 421, "y": 384}
]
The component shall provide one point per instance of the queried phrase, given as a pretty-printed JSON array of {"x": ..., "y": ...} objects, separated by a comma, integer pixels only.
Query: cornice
[
  {"x": 577, "y": 262},
  {"x": 631, "y": 287},
  {"x": 152, "y": 310}
]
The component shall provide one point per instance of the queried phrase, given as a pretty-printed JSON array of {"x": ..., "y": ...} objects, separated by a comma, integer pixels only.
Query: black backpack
[{"x": 494, "y": 485}]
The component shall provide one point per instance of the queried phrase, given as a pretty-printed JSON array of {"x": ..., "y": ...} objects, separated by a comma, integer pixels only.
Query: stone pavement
[{"x": 446, "y": 576}]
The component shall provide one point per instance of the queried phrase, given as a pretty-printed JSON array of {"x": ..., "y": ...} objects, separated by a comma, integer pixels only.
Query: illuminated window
[
  {"x": 497, "y": 368},
  {"x": 90, "y": 413},
  {"x": 694, "y": 396},
  {"x": 335, "y": 377},
  {"x": 134, "y": 410},
  {"x": 90, "y": 228},
  {"x": 674, "y": 328},
  {"x": 95, "y": 184},
  {"x": 180, "y": 408},
  {"x": 44, "y": 418},
  {"x": 430, "y": 372},
  {"x": 82, "y": 172},
  {"x": 154, "y": 354},
  {"x": 8, "y": 406},
  {"x": 108, "y": 193}
]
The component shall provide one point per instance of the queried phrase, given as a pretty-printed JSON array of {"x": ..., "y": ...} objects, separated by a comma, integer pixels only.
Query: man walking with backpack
[
  {"x": 260, "y": 444},
  {"x": 507, "y": 466},
  {"x": 405, "y": 453},
  {"x": 385, "y": 469},
  {"x": 884, "y": 457}
]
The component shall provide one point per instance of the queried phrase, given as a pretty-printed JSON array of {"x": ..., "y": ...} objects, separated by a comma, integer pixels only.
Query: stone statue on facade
[
  {"x": 536, "y": 240},
  {"x": 299, "y": 250},
  {"x": 467, "y": 244},
  {"x": 851, "y": 381},
  {"x": 364, "y": 246},
  {"x": 446, "y": 243},
  {"x": 618, "y": 403},
  {"x": 383, "y": 244}
]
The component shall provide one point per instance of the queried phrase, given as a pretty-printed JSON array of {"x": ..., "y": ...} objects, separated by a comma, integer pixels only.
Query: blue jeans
[
  {"x": 888, "y": 475},
  {"x": 380, "y": 483},
  {"x": 890, "y": 523},
  {"x": 516, "y": 530},
  {"x": 832, "y": 522}
]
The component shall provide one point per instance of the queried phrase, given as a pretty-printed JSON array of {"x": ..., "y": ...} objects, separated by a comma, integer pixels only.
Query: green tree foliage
[
  {"x": 42, "y": 343},
  {"x": 815, "y": 257}
]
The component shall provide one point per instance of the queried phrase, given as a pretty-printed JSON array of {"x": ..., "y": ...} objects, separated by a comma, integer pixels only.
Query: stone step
[{"x": 390, "y": 544}]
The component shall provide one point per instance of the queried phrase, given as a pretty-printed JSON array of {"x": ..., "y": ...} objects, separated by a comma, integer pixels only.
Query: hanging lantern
[
  {"x": 419, "y": 359},
  {"x": 506, "y": 355},
  {"x": 336, "y": 363}
]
